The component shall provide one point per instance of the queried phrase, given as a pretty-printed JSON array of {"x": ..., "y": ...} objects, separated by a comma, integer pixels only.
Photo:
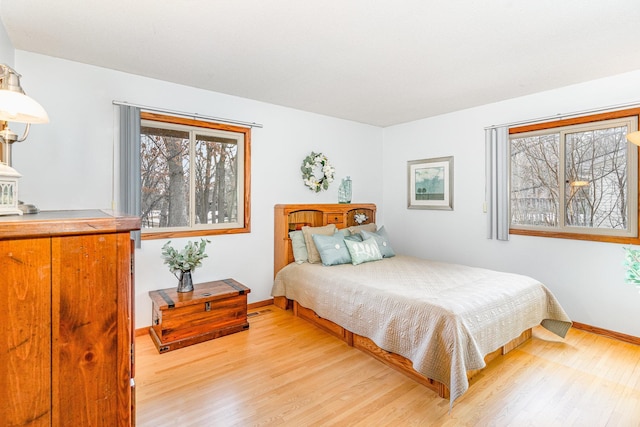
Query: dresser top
[{"x": 59, "y": 223}]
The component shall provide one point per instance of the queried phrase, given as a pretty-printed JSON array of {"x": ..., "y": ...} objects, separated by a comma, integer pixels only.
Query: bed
[{"x": 438, "y": 323}]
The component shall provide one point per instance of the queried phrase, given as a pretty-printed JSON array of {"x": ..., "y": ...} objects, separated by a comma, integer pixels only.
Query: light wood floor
[{"x": 283, "y": 371}]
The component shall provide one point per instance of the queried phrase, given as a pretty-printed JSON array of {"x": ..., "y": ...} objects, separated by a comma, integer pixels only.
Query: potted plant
[{"x": 184, "y": 261}]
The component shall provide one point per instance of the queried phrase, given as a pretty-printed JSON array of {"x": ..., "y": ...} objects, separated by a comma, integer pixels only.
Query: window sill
[
  {"x": 193, "y": 233},
  {"x": 576, "y": 236}
]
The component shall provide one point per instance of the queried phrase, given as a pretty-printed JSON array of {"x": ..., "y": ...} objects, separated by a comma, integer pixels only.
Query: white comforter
[{"x": 443, "y": 317}]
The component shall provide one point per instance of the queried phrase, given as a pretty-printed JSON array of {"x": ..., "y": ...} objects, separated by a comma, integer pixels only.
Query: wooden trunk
[
  {"x": 66, "y": 345},
  {"x": 211, "y": 310}
]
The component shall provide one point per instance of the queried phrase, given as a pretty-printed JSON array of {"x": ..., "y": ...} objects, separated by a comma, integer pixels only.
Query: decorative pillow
[
  {"x": 354, "y": 237},
  {"x": 364, "y": 251},
  {"x": 332, "y": 249},
  {"x": 355, "y": 229},
  {"x": 299, "y": 246},
  {"x": 312, "y": 253},
  {"x": 382, "y": 239}
]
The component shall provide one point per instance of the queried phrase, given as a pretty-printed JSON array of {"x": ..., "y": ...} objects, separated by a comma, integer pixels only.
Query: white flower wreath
[{"x": 309, "y": 164}]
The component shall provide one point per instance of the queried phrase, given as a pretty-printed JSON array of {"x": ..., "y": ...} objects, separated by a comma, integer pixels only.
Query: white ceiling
[{"x": 371, "y": 61}]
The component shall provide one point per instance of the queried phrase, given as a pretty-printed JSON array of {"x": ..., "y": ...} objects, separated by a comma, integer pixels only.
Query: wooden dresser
[{"x": 66, "y": 346}]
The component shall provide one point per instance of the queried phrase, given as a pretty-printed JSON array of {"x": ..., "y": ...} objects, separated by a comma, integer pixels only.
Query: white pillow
[
  {"x": 364, "y": 251},
  {"x": 312, "y": 252}
]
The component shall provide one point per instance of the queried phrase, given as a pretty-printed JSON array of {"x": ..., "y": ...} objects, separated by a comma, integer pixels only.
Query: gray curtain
[
  {"x": 497, "y": 182},
  {"x": 130, "y": 190}
]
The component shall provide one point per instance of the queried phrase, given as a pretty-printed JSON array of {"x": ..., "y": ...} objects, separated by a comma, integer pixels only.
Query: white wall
[
  {"x": 68, "y": 163},
  {"x": 587, "y": 277},
  {"x": 7, "y": 52}
]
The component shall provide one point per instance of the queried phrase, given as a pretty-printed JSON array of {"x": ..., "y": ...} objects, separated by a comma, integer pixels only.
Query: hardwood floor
[{"x": 283, "y": 371}]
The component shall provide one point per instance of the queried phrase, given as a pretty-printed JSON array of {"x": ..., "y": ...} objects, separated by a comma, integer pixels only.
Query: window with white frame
[
  {"x": 575, "y": 178},
  {"x": 193, "y": 176}
]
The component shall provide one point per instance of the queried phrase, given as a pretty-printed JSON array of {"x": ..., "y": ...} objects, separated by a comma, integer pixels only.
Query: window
[
  {"x": 575, "y": 178},
  {"x": 194, "y": 177}
]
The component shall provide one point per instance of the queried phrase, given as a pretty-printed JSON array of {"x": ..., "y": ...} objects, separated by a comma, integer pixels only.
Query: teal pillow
[
  {"x": 364, "y": 251},
  {"x": 382, "y": 239},
  {"x": 332, "y": 249},
  {"x": 299, "y": 246},
  {"x": 354, "y": 237}
]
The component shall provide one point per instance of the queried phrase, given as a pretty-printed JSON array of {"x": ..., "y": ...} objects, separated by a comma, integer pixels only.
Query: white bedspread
[{"x": 443, "y": 317}]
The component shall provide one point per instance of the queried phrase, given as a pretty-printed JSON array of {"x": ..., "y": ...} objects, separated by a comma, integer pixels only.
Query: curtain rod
[
  {"x": 191, "y": 115},
  {"x": 561, "y": 116}
]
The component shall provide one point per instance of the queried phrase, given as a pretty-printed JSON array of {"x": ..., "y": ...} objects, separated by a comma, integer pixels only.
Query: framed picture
[{"x": 430, "y": 183}]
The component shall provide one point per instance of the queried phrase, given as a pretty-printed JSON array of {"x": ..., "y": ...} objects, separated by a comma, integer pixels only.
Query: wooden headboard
[{"x": 294, "y": 217}]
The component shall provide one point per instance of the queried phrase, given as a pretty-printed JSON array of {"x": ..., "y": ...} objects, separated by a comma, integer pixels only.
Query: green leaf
[{"x": 187, "y": 259}]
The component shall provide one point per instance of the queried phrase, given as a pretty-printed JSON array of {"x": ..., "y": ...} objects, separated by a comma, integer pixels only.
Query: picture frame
[{"x": 430, "y": 183}]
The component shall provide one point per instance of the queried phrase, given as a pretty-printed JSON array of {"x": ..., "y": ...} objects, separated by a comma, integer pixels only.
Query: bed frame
[{"x": 294, "y": 216}]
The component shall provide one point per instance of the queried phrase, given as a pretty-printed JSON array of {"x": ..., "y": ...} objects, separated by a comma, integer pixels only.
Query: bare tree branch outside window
[
  {"x": 574, "y": 177},
  {"x": 534, "y": 180},
  {"x": 165, "y": 177},
  {"x": 596, "y": 178},
  {"x": 166, "y": 181},
  {"x": 216, "y": 180}
]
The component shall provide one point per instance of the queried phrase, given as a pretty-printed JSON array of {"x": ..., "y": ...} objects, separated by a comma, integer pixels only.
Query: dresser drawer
[{"x": 336, "y": 218}]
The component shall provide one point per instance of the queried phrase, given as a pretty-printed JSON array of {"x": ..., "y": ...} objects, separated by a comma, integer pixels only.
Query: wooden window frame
[
  {"x": 633, "y": 113},
  {"x": 246, "y": 227}
]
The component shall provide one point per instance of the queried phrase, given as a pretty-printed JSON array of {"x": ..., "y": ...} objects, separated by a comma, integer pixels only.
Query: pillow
[
  {"x": 299, "y": 246},
  {"x": 354, "y": 237},
  {"x": 382, "y": 239},
  {"x": 332, "y": 249},
  {"x": 355, "y": 229},
  {"x": 312, "y": 253},
  {"x": 364, "y": 251}
]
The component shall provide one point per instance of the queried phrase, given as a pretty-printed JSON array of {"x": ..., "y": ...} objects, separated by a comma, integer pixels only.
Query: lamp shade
[
  {"x": 634, "y": 137},
  {"x": 18, "y": 107}
]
